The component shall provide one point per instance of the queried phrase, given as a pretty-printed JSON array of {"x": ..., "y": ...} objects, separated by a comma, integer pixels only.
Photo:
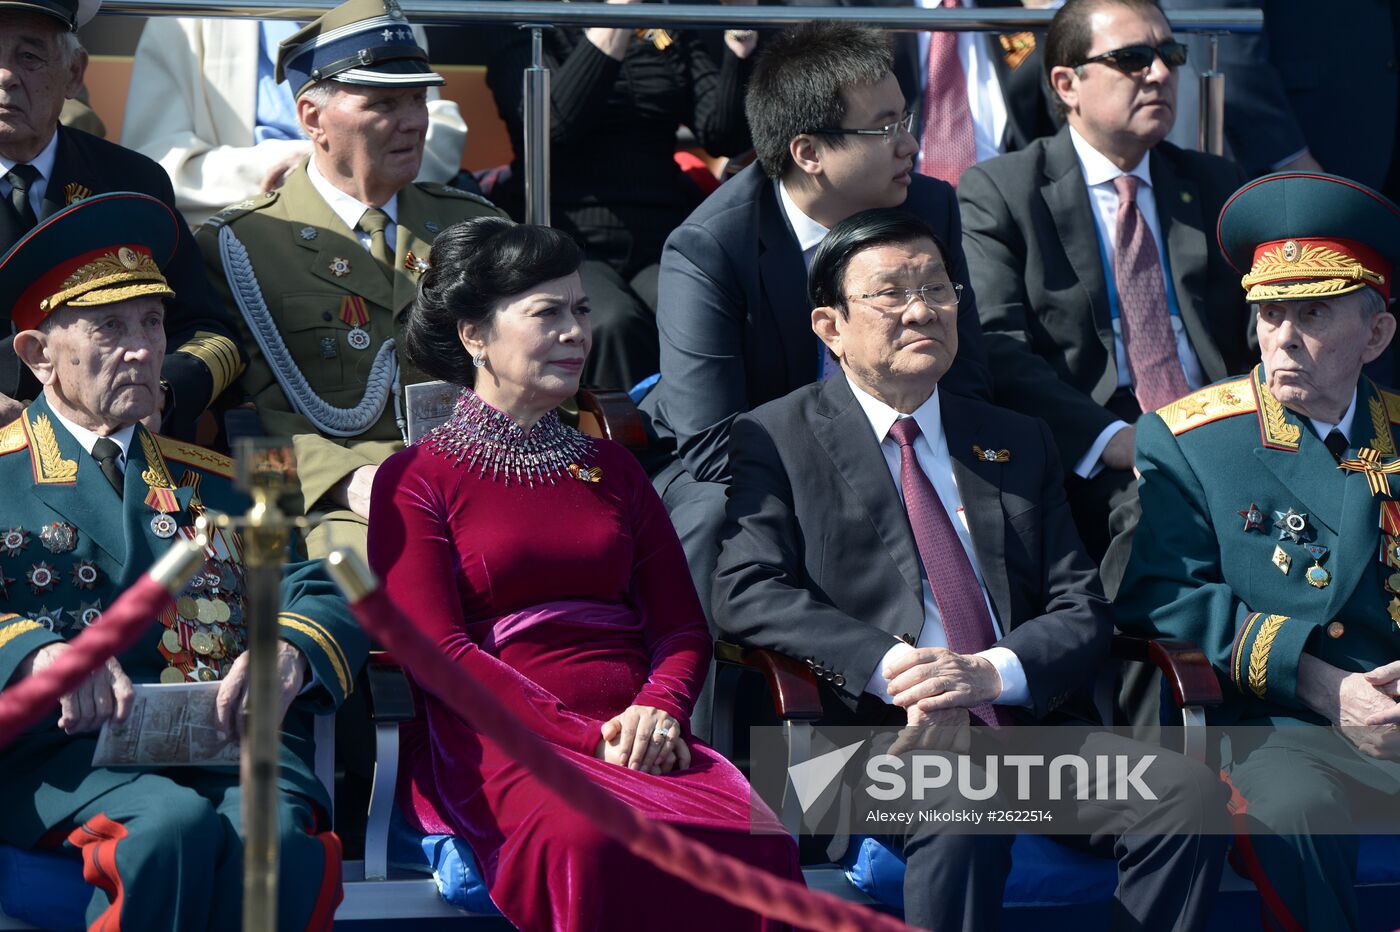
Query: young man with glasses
[
  {"x": 832, "y": 132},
  {"x": 1100, "y": 289}
]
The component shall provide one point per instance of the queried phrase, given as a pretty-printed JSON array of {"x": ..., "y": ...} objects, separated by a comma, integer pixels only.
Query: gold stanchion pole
[{"x": 264, "y": 471}]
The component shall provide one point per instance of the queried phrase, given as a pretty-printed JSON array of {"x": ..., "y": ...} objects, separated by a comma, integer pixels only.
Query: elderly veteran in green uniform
[
  {"x": 322, "y": 272},
  {"x": 1270, "y": 536},
  {"x": 94, "y": 499}
]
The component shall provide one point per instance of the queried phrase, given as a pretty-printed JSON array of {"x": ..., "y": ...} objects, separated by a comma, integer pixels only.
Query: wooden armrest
[
  {"x": 792, "y": 686},
  {"x": 1184, "y": 665},
  {"x": 387, "y": 693},
  {"x": 612, "y": 415}
]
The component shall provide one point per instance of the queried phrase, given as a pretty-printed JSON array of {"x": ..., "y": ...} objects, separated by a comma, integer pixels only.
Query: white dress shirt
[
  {"x": 809, "y": 235},
  {"x": 43, "y": 163},
  {"x": 984, "y": 98},
  {"x": 349, "y": 210},
  {"x": 931, "y": 450},
  {"x": 87, "y": 439},
  {"x": 1099, "y": 174}
]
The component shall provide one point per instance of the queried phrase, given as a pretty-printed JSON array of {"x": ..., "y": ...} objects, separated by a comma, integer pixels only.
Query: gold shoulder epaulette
[
  {"x": 234, "y": 211},
  {"x": 13, "y": 437},
  {"x": 446, "y": 190},
  {"x": 1392, "y": 404},
  {"x": 1211, "y": 403},
  {"x": 195, "y": 455}
]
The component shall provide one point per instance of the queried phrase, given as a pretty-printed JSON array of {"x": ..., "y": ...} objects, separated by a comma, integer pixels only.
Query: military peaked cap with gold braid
[
  {"x": 1299, "y": 235},
  {"x": 101, "y": 250}
]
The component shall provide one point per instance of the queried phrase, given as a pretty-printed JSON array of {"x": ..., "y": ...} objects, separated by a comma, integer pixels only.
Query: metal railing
[{"x": 538, "y": 15}]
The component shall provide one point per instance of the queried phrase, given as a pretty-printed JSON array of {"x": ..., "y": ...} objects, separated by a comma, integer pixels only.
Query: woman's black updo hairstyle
[{"x": 472, "y": 266}]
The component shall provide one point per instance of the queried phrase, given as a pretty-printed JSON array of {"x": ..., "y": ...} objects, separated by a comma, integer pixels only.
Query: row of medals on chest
[
  {"x": 204, "y": 629},
  {"x": 1293, "y": 526}
]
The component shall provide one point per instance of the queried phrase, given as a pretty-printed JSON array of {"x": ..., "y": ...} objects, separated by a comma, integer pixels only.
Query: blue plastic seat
[{"x": 44, "y": 888}]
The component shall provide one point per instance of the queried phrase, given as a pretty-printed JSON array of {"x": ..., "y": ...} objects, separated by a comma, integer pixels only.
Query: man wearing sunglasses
[{"x": 1101, "y": 293}]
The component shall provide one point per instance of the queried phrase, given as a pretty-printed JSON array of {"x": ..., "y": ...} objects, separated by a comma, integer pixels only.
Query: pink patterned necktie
[
  {"x": 947, "y": 141},
  {"x": 1153, "y": 362},
  {"x": 956, "y": 592}
]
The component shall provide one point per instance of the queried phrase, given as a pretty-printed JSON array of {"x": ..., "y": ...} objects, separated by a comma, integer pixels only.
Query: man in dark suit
[
  {"x": 45, "y": 166},
  {"x": 1095, "y": 305},
  {"x": 832, "y": 133},
  {"x": 915, "y": 548}
]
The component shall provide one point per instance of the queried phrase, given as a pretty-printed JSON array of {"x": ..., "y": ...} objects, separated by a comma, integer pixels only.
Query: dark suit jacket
[
  {"x": 199, "y": 367},
  {"x": 1029, "y": 233},
  {"x": 735, "y": 322},
  {"x": 819, "y": 561}
]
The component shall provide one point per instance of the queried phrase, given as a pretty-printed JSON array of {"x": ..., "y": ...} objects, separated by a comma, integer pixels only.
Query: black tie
[
  {"x": 106, "y": 451},
  {"x": 1337, "y": 445},
  {"x": 21, "y": 179}
]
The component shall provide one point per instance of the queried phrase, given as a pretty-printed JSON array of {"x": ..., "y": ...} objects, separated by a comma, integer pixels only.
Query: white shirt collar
[
  {"x": 1323, "y": 428},
  {"x": 87, "y": 439},
  {"x": 1098, "y": 169},
  {"x": 809, "y": 232},
  {"x": 347, "y": 208},
  {"x": 929, "y": 415},
  {"x": 43, "y": 162}
]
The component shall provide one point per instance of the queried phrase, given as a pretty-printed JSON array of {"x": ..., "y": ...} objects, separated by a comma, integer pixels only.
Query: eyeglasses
[
  {"x": 935, "y": 294},
  {"x": 889, "y": 132},
  {"x": 1135, "y": 59}
]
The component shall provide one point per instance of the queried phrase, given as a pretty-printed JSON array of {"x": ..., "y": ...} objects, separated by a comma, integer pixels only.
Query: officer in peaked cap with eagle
[
  {"x": 1270, "y": 536},
  {"x": 323, "y": 271},
  {"x": 94, "y": 499}
]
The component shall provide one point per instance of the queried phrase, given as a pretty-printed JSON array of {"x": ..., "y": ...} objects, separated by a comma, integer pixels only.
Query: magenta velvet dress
[{"x": 571, "y": 601}]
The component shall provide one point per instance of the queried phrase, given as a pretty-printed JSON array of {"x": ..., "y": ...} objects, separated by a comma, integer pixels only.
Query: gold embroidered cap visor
[
  {"x": 1300, "y": 235},
  {"x": 101, "y": 250}
]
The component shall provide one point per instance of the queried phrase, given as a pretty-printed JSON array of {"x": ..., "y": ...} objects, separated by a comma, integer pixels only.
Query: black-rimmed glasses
[
  {"x": 1135, "y": 59},
  {"x": 934, "y": 294},
  {"x": 889, "y": 132}
]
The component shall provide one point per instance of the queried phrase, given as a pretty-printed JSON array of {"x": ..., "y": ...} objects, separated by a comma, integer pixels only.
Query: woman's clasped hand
[{"x": 644, "y": 738}]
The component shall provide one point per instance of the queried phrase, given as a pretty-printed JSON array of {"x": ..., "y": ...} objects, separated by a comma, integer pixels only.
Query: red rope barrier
[
  {"x": 33, "y": 697},
  {"x": 721, "y": 875}
]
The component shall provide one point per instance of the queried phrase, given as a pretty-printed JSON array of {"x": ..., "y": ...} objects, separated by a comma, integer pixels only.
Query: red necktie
[
  {"x": 956, "y": 592},
  {"x": 947, "y": 141},
  {"x": 1153, "y": 362}
]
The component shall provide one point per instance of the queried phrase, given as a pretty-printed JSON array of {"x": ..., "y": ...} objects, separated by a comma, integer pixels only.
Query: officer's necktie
[
  {"x": 1158, "y": 378},
  {"x": 948, "y": 142},
  {"x": 374, "y": 221},
  {"x": 1337, "y": 445},
  {"x": 106, "y": 451},
  {"x": 956, "y": 592},
  {"x": 21, "y": 179}
]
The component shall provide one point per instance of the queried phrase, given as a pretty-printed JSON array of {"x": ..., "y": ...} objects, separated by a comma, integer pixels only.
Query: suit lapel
[
  {"x": 783, "y": 274},
  {"x": 845, "y": 434},
  {"x": 1183, "y": 231},
  {"x": 69, "y": 167},
  {"x": 1294, "y": 453},
  {"x": 1068, "y": 200},
  {"x": 70, "y": 482},
  {"x": 979, "y": 486},
  {"x": 335, "y": 248}
]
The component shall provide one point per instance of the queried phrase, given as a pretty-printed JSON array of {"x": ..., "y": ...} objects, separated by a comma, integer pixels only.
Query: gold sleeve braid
[
  {"x": 326, "y": 642},
  {"x": 11, "y": 631},
  {"x": 219, "y": 355},
  {"x": 1259, "y": 654}
]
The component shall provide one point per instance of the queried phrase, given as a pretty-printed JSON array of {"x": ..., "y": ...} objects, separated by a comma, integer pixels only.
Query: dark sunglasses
[{"x": 1134, "y": 59}]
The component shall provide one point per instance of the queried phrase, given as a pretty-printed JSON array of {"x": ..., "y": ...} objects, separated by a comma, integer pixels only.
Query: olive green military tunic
[{"x": 323, "y": 324}]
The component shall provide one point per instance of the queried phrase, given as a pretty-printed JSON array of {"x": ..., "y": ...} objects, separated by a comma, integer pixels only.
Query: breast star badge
[
  {"x": 340, "y": 266},
  {"x": 1293, "y": 525},
  {"x": 1253, "y": 518}
]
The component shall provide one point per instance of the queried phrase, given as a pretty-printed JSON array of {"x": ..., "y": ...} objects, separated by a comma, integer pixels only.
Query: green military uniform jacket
[
  {"x": 1204, "y": 569},
  {"x": 69, "y": 546},
  {"x": 295, "y": 288}
]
